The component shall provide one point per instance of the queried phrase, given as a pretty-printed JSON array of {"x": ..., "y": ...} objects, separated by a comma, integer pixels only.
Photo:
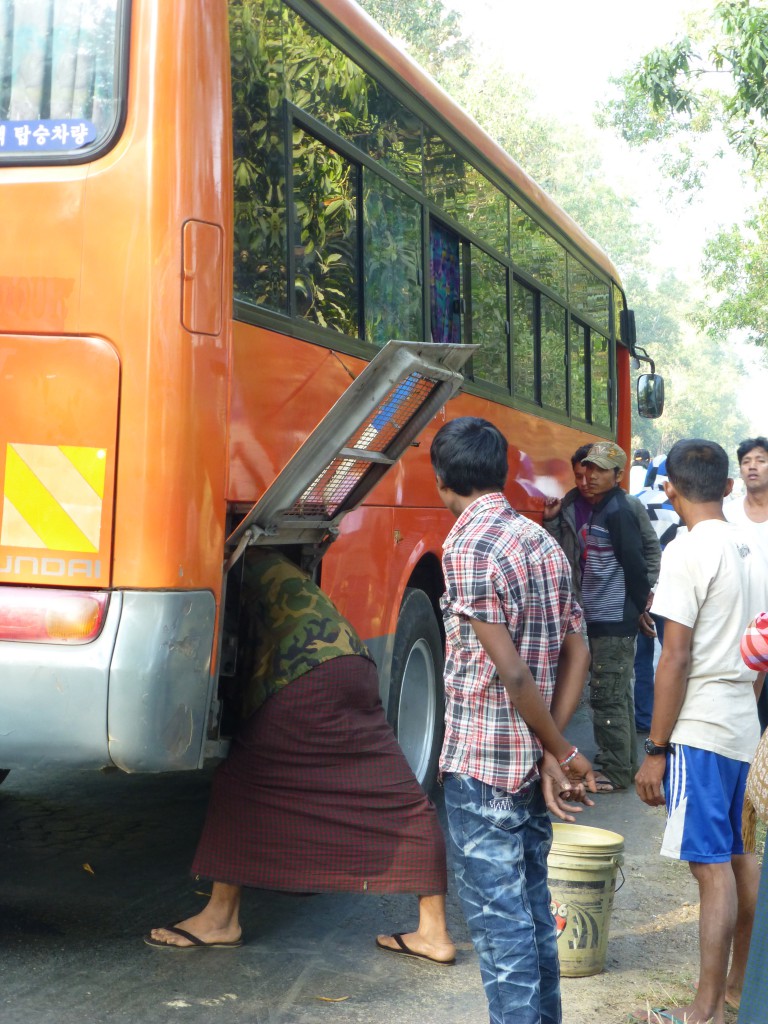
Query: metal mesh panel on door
[{"x": 328, "y": 492}]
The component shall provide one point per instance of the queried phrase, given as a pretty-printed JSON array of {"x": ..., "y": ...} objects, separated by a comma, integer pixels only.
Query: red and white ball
[{"x": 754, "y": 643}]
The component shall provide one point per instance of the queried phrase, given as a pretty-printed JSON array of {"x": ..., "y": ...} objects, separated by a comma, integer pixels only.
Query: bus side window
[
  {"x": 489, "y": 319},
  {"x": 553, "y": 355},
  {"x": 523, "y": 341},
  {"x": 578, "y": 368},
  {"x": 445, "y": 285}
]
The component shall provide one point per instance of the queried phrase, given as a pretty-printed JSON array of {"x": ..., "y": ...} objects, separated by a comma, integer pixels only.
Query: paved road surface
[{"x": 91, "y": 860}]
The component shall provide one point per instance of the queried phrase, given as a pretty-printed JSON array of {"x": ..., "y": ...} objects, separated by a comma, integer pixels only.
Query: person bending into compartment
[
  {"x": 704, "y": 729},
  {"x": 315, "y": 795},
  {"x": 515, "y": 667}
]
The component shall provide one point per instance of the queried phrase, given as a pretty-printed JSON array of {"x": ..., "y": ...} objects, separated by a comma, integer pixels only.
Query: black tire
[
  {"x": 3, "y": 774},
  {"x": 416, "y": 698}
]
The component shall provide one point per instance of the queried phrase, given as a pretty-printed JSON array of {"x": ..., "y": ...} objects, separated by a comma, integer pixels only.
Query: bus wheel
[{"x": 416, "y": 703}]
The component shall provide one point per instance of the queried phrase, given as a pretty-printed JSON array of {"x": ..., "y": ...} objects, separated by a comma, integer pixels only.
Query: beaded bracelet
[{"x": 570, "y": 757}]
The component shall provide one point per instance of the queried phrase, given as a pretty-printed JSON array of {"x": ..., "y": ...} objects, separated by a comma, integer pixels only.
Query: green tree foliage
[
  {"x": 736, "y": 267},
  {"x": 715, "y": 78},
  {"x": 717, "y": 74},
  {"x": 702, "y": 375},
  {"x": 431, "y": 33}
]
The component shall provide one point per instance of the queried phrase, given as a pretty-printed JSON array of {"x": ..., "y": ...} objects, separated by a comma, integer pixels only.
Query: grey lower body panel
[{"x": 136, "y": 697}]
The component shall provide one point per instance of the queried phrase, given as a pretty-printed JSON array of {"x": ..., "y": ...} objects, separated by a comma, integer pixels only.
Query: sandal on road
[
  {"x": 402, "y": 950},
  {"x": 604, "y": 784},
  {"x": 194, "y": 941}
]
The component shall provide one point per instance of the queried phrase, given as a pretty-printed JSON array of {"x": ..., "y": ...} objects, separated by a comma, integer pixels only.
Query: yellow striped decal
[{"x": 52, "y": 497}]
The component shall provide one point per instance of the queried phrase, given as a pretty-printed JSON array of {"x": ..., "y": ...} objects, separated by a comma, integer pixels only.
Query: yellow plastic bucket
[{"x": 582, "y": 868}]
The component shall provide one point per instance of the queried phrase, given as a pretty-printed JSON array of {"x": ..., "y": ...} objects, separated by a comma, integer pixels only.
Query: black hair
[
  {"x": 641, "y": 455},
  {"x": 580, "y": 454},
  {"x": 698, "y": 469},
  {"x": 748, "y": 444},
  {"x": 470, "y": 454}
]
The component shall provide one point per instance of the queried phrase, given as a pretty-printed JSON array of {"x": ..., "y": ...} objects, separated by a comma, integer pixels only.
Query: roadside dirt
[{"x": 652, "y": 954}]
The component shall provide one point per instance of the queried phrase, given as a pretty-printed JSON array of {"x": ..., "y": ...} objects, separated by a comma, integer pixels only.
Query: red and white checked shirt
[{"x": 500, "y": 567}]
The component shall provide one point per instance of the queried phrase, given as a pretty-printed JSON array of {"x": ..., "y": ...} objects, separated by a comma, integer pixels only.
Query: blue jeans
[
  {"x": 499, "y": 843},
  {"x": 644, "y": 674}
]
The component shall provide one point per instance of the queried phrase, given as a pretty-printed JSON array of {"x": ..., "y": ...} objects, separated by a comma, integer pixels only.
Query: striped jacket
[{"x": 614, "y": 582}]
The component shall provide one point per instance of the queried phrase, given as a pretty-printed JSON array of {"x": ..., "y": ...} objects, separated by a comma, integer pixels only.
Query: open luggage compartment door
[{"x": 361, "y": 437}]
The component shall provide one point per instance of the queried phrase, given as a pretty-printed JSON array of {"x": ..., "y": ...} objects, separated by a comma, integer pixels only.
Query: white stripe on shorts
[{"x": 677, "y": 803}]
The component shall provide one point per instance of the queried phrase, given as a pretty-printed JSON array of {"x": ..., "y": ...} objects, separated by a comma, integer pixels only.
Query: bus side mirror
[{"x": 650, "y": 395}]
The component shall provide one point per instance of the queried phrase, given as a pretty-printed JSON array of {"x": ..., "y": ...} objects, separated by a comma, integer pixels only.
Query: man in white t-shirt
[
  {"x": 704, "y": 729},
  {"x": 752, "y": 510}
]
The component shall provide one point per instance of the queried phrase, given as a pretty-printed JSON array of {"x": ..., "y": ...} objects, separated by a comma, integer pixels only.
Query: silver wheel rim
[{"x": 416, "y": 708}]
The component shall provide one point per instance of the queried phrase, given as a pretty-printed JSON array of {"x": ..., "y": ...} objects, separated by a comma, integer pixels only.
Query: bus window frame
[
  {"x": 289, "y": 324},
  {"x": 95, "y": 150}
]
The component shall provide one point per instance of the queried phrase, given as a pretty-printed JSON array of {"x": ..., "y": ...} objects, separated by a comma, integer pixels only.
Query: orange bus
[{"x": 214, "y": 216}]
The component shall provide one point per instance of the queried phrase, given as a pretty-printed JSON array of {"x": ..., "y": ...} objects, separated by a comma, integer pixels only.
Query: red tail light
[{"x": 40, "y": 615}]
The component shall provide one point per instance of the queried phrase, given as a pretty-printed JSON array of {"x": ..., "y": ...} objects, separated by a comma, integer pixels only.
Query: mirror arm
[{"x": 642, "y": 357}]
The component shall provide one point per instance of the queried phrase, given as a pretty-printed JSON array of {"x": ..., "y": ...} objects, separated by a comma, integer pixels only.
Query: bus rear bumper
[{"x": 136, "y": 697}]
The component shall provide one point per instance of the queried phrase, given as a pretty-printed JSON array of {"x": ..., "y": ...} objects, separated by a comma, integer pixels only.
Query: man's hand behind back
[{"x": 565, "y": 789}]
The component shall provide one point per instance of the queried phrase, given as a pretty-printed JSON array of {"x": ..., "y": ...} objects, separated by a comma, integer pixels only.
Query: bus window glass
[
  {"x": 59, "y": 71},
  {"x": 523, "y": 341},
  {"x": 445, "y": 285},
  {"x": 618, "y": 306},
  {"x": 486, "y": 213},
  {"x": 392, "y": 262},
  {"x": 260, "y": 215},
  {"x": 444, "y": 175},
  {"x": 325, "y": 187},
  {"x": 588, "y": 294},
  {"x": 392, "y": 135},
  {"x": 553, "y": 361},
  {"x": 535, "y": 251},
  {"x": 330, "y": 86},
  {"x": 463, "y": 192},
  {"x": 578, "y": 361},
  {"x": 601, "y": 380},
  {"x": 489, "y": 318}
]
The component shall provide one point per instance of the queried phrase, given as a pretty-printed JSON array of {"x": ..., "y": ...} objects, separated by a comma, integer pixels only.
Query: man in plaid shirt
[{"x": 514, "y": 673}]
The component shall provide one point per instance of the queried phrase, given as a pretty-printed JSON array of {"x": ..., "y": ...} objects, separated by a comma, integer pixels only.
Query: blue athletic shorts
[{"x": 704, "y": 794}]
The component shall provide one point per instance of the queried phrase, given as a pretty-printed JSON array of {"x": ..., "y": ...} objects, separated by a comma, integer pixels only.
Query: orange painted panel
[
  {"x": 282, "y": 387},
  {"x": 202, "y": 252},
  {"x": 58, "y": 452}
]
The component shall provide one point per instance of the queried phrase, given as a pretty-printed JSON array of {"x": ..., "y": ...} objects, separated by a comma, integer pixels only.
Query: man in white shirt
[
  {"x": 752, "y": 509},
  {"x": 704, "y": 729},
  {"x": 751, "y": 512},
  {"x": 640, "y": 462}
]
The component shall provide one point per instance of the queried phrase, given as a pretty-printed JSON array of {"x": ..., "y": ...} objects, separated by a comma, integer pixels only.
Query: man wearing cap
[
  {"x": 615, "y": 589},
  {"x": 640, "y": 462}
]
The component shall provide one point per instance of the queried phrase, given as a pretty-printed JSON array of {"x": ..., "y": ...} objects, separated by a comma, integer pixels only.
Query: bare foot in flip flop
[
  {"x": 442, "y": 951},
  {"x": 198, "y": 932}
]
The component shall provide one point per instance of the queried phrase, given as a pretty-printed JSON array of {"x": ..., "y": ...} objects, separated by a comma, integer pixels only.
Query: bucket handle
[{"x": 623, "y": 879}]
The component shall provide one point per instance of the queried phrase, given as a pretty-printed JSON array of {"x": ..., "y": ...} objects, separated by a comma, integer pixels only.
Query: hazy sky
[{"x": 566, "y": 51}]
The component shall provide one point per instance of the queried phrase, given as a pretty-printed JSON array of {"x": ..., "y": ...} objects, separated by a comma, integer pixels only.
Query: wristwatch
[{"x": 655, "y": 748}]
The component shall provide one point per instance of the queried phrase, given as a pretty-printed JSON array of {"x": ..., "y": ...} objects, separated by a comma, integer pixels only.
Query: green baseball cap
[{"x": 606, "y": 455}]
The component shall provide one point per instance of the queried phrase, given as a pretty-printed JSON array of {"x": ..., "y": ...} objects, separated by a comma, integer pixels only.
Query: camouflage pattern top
[{"x": 290, "y": 627}]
